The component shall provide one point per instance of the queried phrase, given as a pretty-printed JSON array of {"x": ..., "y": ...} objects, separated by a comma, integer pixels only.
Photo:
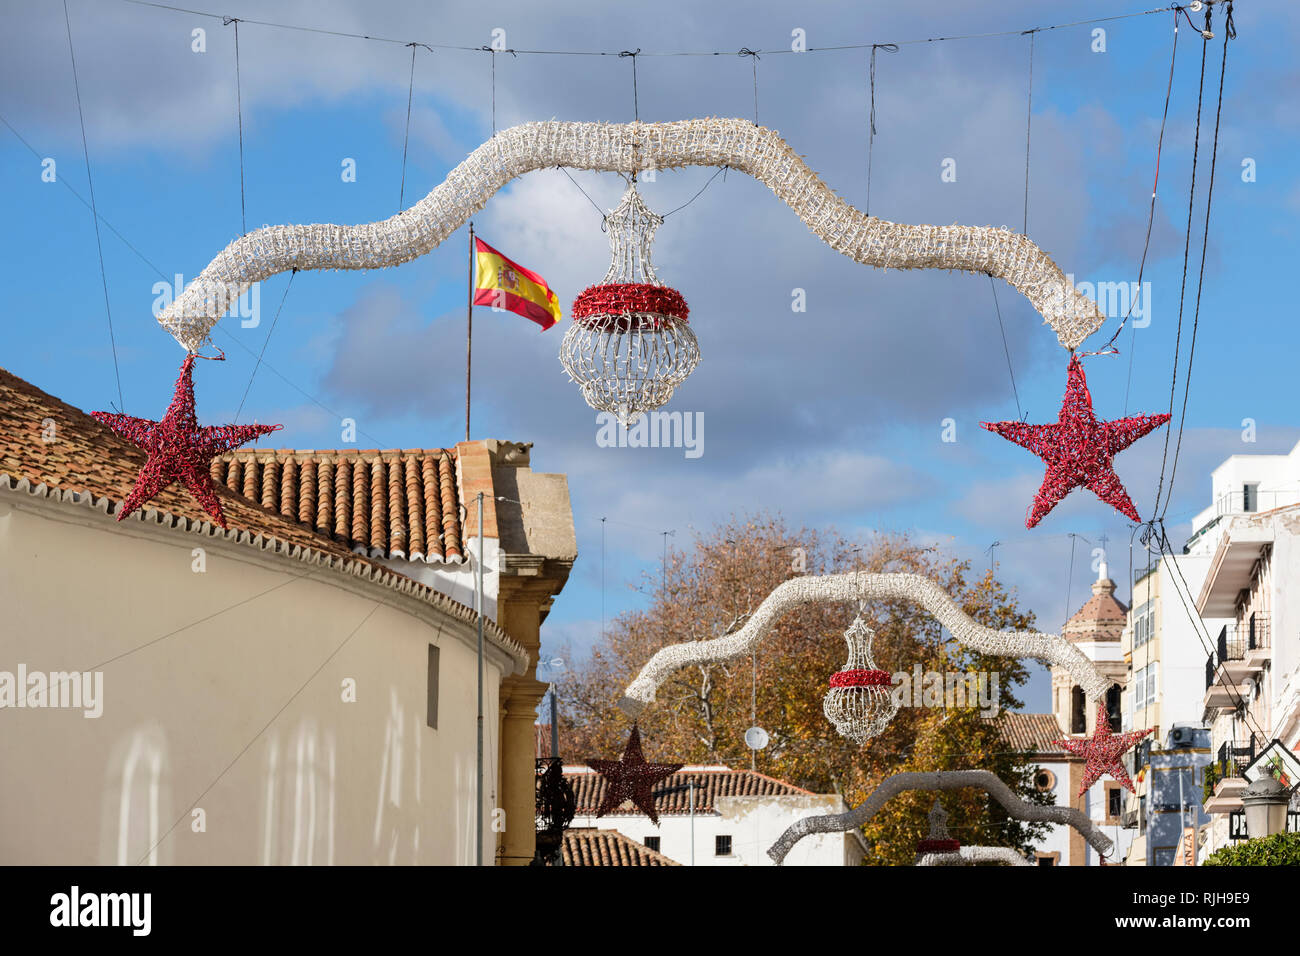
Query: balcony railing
[
  {"x": 1233, "y": 758},
  {"x": 1235, "y": 644},
  {"x": 1239, "y": 502},
  {"x": 1236, "y": 640}
]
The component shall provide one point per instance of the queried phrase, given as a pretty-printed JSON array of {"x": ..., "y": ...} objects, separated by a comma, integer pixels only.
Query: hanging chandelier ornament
[
  {"x": 1079, "y": 450},
  {"x": 860, "y": 702},
  {"x": 938, "y": 840},
  {"x": 629, "y": 346}
]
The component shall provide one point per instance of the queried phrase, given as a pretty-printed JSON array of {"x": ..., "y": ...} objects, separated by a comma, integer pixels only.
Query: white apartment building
[{"x": 1241, "y": 566}]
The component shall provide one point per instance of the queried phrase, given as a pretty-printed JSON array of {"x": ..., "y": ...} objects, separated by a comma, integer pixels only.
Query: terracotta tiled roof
[
  {"x": 52, "y": 450},
  {"x": 583, "y": 847},
  {"x": 1032, "y": 732},
  {"x": 589, "y": 789},
  {"x": 398, "y": 503},
  {"x": 52, "y": 443}
]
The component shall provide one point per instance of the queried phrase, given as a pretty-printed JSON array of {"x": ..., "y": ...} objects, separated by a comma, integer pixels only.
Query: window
[
  {"x": 722, "y": 846},
  {"x": 652, "y": 843},
  {"x": 431, "y": 689},
  {"x": 1044, "y": 780},
  {"x": 1048, "y": 859},
  {"x": 1114, "y": 802},
  {"x": 1112, "y": 708},
  {"x": 1250, "y": 496},
  {"x": 1144, "y": 689},
  {"x": 1078, "y": 712},
  {"x": 1144, "y": 622}
]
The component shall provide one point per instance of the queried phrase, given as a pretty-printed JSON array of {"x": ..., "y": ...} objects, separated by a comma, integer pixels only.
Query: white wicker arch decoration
[
  {"x": 629, "y": 147},
  {"x": 891, "y": 787},
  {"x": 855, "y": 587},
  {"x": 974, "y": 855}
]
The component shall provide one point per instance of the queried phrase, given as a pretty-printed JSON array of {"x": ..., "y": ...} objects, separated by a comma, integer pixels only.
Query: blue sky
[{"x": 831, "y": 416}]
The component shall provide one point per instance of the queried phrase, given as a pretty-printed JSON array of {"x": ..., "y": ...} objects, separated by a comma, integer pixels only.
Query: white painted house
[{"x": 737, "y": 815}]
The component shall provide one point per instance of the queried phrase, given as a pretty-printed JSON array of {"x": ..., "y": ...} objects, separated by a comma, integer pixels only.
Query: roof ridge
[{"x": 356, "y": 566}]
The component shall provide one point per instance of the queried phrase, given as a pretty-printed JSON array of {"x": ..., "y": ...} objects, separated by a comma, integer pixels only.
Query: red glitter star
[
  {"x": 631, "y": 778},
  {"x": 179, "y": 450},
  {"x": 1102, "y": 751},
  {"x": 1078, "y": 449}
]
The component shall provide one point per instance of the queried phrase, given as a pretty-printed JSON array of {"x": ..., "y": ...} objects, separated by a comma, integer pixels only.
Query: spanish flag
[{"x": 504, "y": 284}]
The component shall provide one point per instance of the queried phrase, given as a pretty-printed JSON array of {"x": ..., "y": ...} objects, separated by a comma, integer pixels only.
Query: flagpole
[{"x": 469, "y": 326}]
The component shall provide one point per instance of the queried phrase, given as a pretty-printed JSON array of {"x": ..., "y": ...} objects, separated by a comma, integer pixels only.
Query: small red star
[
  {"x": 631, "y": 778},
  {"x": 1102, "y": 751},
  {"x": 1078, "y": 449},
  {"x": 179, "y": 450}
]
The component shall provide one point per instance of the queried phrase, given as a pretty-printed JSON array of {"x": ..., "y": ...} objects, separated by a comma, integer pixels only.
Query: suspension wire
[
  {"x": 602, "y": 578},
  {"x": 265, "y": 727},
  {"x": 157, "y": 271},
  {"x": 636, "y": 106},
  {"x": 746, "y": 51},
  {"x": 1182, "y": 292},
  {"x": 239, "y": 110},
  {"x": 1029, "y": 115},
  {"x": 720, "y": 171},
  {"x": 1151, "y": 217},
  {"x": 871, "y": 116},
  {"x": 1005, "y": 348},
  {"x": 94, "y": 210},
  {"x": 594, "y": 206},
  {"x": 406, "y": 136},
  {"x": 266, "y": 342},
  {"x": 1069, "y": 582},
  {"x": 780, "y": 50},
  {"x": 1230, "y": 30}
]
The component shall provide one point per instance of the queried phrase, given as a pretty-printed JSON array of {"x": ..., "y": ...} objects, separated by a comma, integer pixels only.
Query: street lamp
[{"x": 1265, "y": 802}]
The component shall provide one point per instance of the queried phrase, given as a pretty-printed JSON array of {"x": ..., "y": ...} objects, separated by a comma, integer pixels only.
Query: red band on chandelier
[
  {"x": 938, "y": 846},
  {"x": 621, "y": 298},
  {"x": 862, "y": 678}
]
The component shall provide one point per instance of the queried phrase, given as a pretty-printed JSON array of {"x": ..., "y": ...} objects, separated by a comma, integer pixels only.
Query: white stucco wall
[
  {"x": 753, "y": 823},
  {"x": 458, "y": 580},
  {"x": 224, "y": 688}
]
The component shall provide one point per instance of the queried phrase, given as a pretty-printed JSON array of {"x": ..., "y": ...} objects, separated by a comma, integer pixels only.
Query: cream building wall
[{"x": 223, "y": 689}]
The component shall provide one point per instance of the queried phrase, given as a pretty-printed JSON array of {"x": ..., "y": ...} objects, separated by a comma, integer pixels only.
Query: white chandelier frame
[
  {"x": 629, "y": 148},
  {"x": 935, "y": 781},
  {"x": 857, "y": 587}
]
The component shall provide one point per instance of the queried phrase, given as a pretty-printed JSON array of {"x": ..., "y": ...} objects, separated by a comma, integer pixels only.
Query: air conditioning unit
[{"x": 1182, "y": 737}]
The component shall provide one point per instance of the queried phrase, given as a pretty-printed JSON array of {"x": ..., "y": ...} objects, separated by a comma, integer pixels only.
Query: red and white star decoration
[
  {"x": 179, "y": 450},
  {"x": 1102, "y": 751},
  {"x": 631, "y": 778},
  {"x": 1078, "y": 449}
]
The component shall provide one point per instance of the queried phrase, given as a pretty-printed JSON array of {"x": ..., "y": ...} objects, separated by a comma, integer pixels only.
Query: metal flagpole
[
  {"x": 555, "y": 726},
  {"x": 478, "y": 855},
  {"x": 469, "y": 326}
]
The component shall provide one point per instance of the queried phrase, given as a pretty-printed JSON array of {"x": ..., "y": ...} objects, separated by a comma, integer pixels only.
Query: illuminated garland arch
[
  {"x": 856, "y": 587},
  {"x": 973, "y": 856},
  {"x": 891, "y": 787},
  {"x": 626, "y": 148}
]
